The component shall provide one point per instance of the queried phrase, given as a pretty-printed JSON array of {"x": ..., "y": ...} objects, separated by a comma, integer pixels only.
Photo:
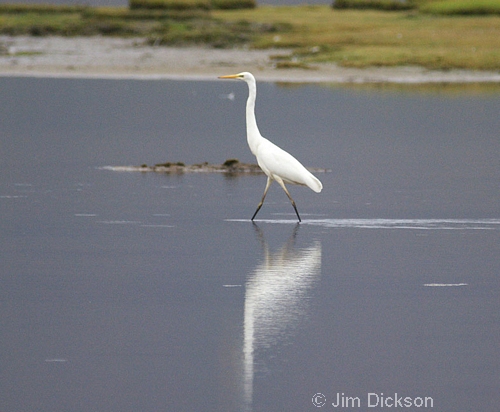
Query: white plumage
[{"x": 277, "y": 164}]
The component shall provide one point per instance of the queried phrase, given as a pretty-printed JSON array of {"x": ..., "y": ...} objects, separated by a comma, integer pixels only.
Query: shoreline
[
  {"x": 129, "y": 58},
  {"x": 230, "y": 167}
]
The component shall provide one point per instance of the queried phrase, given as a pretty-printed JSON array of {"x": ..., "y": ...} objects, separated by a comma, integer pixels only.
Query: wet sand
[{"x": 104, "y": 57}]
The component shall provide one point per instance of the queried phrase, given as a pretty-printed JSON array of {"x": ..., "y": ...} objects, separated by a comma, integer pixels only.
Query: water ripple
[{"x": 420, "y": 224}]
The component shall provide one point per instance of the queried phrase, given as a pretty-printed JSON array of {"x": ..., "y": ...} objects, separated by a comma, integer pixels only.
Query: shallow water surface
[{"x": 126, "y": 291}]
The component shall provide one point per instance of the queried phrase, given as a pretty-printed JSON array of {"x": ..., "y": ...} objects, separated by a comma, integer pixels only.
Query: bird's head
[{"x": 245, "y": 76}]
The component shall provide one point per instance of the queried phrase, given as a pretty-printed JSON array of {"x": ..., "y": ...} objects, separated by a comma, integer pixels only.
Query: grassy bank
[
  {"x": 434, "y": 34},
  {"x": 355, "y": 38}
]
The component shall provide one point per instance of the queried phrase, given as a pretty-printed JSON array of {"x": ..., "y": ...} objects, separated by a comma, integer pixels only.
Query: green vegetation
[
  {"x": 191, "y": 4},
  {"x": 374, "y": 4},
  {"x": 361, "y": 38},
  {"x": 39, "y": 8},
  {"x": 437, "y": 34},
  {"x": 444, "y": 7},
  {"x": 462, "y": 7},
  {"x": 172, "y": 22},
  {"x": 233, "y": 4},
  {"x": 169, "y": 4}
]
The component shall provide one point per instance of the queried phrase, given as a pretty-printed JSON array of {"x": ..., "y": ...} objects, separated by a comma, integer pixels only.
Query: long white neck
[{"x": 253, "y": 134}]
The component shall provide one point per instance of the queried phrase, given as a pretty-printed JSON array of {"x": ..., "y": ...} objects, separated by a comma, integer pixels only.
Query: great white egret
[{"x": 275, "y": 162}]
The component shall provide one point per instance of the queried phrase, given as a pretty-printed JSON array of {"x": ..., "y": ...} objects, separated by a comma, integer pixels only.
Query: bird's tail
[{"x": 314, "y": 184}]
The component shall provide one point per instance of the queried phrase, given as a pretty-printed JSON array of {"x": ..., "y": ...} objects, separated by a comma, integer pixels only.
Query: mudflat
[{"x": 107, "y": 57}]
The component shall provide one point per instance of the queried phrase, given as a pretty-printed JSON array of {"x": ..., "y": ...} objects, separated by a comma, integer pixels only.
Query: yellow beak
[{"x": 230, "y": 76}]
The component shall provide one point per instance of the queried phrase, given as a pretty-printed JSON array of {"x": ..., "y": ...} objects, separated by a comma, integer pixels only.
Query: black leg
[
  {"x": 282, "y": 184},
  {"x": 263, "y": 197}
]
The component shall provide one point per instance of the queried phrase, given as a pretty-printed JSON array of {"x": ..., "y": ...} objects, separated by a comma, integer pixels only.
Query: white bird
[{"x": 275, "y": 162}]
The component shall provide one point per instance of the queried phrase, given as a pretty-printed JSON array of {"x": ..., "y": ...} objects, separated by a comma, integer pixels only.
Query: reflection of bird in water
[
  {"x": 275, "y": 162},
  {"x": 276, "y": 300}
]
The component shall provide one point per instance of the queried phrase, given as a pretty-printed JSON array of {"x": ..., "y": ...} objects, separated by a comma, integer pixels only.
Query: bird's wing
[{"x": 274, "y": 161}]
